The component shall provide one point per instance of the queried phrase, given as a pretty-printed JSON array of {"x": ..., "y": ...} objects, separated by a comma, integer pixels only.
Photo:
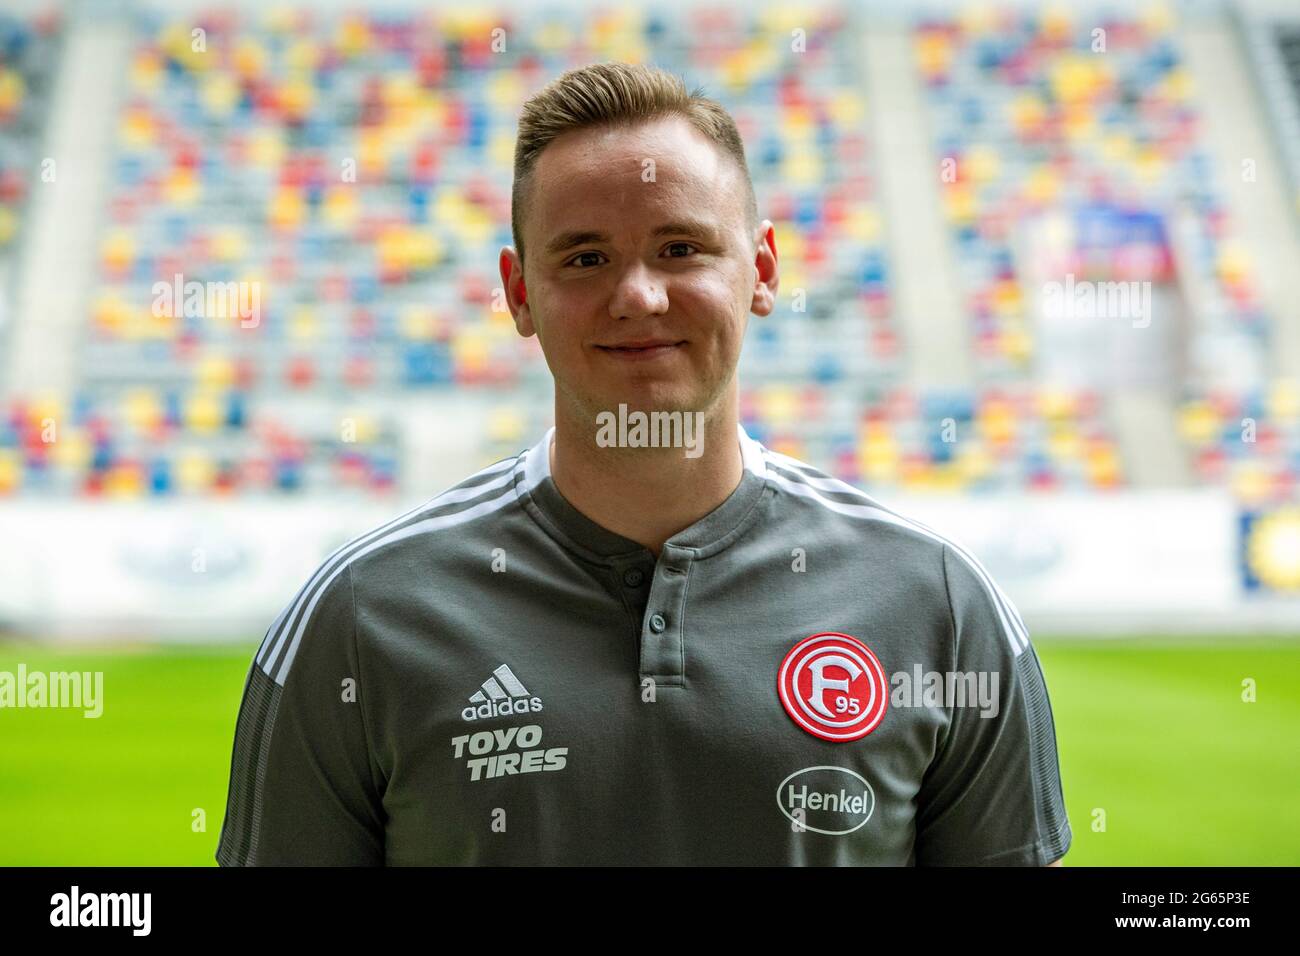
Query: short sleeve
[
  {"x": 992, "y": 796},
  {"x": 303, "y": 788}
]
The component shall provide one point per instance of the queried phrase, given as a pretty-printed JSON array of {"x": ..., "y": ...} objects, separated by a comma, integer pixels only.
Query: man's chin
[
  {"x": 646, "y": 397},
  {"x": 648, "y": 404}
]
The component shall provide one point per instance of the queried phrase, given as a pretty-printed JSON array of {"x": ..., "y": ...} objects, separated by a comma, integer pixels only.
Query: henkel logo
[
  {"x": 830, "y": 800},
  {"x": 832, "y": 686}
]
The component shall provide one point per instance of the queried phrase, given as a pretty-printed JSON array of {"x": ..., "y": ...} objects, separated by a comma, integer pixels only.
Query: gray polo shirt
[{"x": 803, "y": 676}]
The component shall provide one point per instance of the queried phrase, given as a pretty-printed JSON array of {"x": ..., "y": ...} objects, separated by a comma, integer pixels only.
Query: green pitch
[{"x": 1162, "y": 761}]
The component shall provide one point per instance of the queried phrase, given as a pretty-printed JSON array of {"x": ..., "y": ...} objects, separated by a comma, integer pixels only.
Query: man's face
[{"x": 641, "y": 273}]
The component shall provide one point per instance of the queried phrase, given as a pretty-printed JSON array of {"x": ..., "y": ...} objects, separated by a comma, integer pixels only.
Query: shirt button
[
  {"x": 633, "y": 577},
  {"x": 657, "y": 623}
]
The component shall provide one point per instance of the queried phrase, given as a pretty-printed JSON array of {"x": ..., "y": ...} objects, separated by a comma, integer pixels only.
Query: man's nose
[{"x": 639, "y": 293}]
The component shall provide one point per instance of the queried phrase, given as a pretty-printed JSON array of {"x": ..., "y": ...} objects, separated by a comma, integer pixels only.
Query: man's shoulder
[
  {"x": 402, "y": 555},
  {"x": 916, "y": 556},
  {"x": 454, "y": 519},
  {"x": 848, "y": 510}
]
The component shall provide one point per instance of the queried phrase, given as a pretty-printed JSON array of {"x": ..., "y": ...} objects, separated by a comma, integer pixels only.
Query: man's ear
[
  {"x": 512, "y": 281},
  {"x": 765, "y": 263}
]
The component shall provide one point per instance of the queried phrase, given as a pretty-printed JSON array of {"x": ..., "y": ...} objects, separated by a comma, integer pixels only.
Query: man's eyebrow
[
  {"x": 582, "y": 237},
  {"x": 690, "y": 227},
  {"x": 567, "y": 240}
]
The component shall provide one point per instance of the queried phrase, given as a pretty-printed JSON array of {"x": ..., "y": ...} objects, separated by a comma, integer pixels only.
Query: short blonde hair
[{"x": 613, "y": 94}]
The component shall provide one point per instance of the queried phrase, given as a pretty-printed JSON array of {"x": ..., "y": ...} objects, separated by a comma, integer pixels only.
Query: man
[{"x": 608, "y": 650}]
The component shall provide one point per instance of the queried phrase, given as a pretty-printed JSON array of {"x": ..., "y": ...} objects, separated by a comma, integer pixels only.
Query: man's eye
[
  {"x": 674, "y": 245},
  {"x": 582, "y": 255}
]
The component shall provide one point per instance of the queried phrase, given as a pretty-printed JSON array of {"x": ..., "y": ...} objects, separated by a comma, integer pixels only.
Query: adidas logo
[{"x": 502, "y": 695}]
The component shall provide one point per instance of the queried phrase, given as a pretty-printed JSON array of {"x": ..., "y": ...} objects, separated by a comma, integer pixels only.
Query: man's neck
[{"x": 646, "y": 494}]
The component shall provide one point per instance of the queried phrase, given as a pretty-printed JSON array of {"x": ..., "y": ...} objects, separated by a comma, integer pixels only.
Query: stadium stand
[
  {"x": 29, "y": 51},
  {"x": 1248, "y": 440},
  {"x": 952, "y": 442},
  {"x": 1274, "y": 43},
  {"x": 146, "y": 442},
  {"x": 1093, "y": 118},
  {"x": 338, "y": 186}
]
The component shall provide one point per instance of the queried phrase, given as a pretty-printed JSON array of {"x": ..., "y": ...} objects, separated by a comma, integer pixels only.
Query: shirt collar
[{"x": 537, "y": 492}]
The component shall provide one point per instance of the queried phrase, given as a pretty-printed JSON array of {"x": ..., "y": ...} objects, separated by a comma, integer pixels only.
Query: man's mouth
[{"x": 642, "y": 349}]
